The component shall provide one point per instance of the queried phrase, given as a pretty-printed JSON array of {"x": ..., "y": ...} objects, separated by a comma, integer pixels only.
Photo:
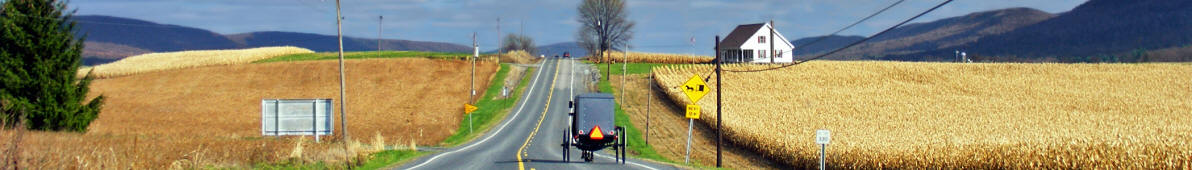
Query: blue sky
[{"x": 662, "y": 25}]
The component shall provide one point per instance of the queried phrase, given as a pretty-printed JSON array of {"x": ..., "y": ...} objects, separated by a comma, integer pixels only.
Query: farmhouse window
[
  {"x": 779, "y": 54},
  {"x": 761, "y": 53},
  {"x": 761, "y": 39},
  {"x": 748, "y": 54}
]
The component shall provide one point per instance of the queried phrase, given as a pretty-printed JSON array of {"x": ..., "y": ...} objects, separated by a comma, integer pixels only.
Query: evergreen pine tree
[{"x": 39, "y": 58}]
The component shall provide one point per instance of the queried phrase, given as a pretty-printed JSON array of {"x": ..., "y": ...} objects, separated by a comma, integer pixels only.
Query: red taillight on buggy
[{"x": 596, "y": 134}]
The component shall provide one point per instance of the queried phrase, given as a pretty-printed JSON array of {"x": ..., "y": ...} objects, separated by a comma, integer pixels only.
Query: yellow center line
[{"x": 521, "y": 165}]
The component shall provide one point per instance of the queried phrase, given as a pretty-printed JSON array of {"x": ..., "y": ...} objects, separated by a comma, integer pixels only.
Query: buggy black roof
[{"x": 594, "y": 109}]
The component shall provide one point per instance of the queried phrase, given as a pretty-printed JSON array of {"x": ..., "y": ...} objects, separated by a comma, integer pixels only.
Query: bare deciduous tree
[
  {"x": 519, "y": 42},
  {"x": 603, "y": 27}
]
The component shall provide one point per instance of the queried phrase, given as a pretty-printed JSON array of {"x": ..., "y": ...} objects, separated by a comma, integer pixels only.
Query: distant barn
[{"x": 752, "y": 44}]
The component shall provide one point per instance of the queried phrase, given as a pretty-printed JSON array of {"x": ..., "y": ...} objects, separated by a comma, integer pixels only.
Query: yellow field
[
  {"x": 209, "y": 117},
  {"x": 641, "y": 57},
  {"x": 946, "y": 115},
  {"x": 187, "y": 59}
]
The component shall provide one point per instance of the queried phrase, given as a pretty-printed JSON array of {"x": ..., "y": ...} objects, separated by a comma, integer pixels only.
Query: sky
[{"x": 662, "y": 25}]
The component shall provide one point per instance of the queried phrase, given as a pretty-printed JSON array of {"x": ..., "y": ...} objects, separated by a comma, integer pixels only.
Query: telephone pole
[
  {"x": 500, "y": 41},
  {"x": 772, "y": 39},
  {"x": 380, "y": 22},
  {"x": 719, "y": 96},
  {"x": 339, "y": 28}
]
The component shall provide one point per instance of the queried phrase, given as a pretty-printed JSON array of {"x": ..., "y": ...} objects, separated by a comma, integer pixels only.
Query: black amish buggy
[{"x": 591, "y": 117}]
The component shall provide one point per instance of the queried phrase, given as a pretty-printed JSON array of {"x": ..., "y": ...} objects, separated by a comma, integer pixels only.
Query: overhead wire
[
  {"x": 817, "y": 40},
  {"x": 850, "y": 45},
  {"x": 883, "y": 10}
]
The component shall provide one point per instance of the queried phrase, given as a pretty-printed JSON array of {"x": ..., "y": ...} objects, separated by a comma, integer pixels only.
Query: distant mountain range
[
  {"x": 112, "y": 38},
  {"x": 1096, "y": 31}
]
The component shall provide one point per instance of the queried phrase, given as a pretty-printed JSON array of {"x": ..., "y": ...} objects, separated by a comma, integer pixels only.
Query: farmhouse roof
[{"x": 741, "y": 34}]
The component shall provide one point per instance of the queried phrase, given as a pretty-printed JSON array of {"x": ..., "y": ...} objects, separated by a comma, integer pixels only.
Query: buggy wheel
[
  {"x": 623, "y": 145},
  {"x": 566, "y": 146},
  {"x": 587, "y": 156}
]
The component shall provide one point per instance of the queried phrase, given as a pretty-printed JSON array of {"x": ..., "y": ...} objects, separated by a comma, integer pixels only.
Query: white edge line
[{"x": 490, "y": 136}]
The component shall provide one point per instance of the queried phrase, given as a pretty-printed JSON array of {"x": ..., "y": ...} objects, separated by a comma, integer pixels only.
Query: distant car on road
[
  {"x": 591, "y": 116},
  {"x": 566, "y": 55}
]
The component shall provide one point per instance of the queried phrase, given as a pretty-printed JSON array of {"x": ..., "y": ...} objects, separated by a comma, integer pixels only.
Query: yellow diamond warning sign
[{"x": 695, "y": 88}]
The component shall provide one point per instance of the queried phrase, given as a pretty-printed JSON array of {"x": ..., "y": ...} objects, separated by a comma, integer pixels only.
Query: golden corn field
[
  {"x": 187, "y": 59},
  {"x": 641, "y": 57},
  {"x": 949, "y": 115}
]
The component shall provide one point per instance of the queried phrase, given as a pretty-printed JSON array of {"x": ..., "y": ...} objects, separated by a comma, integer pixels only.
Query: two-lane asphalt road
[{"x": 529, "y": 137}]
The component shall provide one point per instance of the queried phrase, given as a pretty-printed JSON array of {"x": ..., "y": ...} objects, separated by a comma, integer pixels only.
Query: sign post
[
  {"x": 695, "y": 88},
  {"x": 823, "y": 137},
  {"x": 468, "y": 109}
]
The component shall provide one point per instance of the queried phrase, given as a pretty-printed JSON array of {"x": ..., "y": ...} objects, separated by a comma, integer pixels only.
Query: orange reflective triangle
[{"x": 596, "y": 133}]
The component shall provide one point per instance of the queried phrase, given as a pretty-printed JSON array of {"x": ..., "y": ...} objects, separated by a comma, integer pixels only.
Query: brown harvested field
[
  {"x": 948, "y": 115},
  {"x": 211, "y": 115},
  {"x": 668, "y": 129},
  {"x": 393, "y": 96}
]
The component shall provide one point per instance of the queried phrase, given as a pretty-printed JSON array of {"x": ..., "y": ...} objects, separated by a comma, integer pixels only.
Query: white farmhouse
[{"x": 752, "y": 43}]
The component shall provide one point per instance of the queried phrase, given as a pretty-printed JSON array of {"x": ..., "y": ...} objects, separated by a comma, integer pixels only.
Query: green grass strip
[
  {"x": 492, "y": 107},
  {"x": 365, "y": 54},
  {"x": 387, "y": 158},
  {"x": 377, "y": 160}
]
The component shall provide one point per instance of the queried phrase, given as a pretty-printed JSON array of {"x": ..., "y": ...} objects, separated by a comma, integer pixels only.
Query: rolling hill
[
  {"x": 1097, "y": 27},
  {"x": 559, "y": 48},
  {"x": 1096, "y": 31},
  {"x": 112, "y": 38},
  {"x": 829, "y": 43},
  {"x": 946, "y": 33}
]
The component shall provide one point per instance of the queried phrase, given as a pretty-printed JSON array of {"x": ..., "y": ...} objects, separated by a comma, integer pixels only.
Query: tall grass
[
  {"x": 187, "y": 59},
  {"x": 946, "y": 115}
]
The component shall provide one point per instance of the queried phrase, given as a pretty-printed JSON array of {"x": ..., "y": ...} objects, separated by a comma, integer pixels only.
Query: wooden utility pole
[
  {"x": 719, "y": 100},
  {"x": 472, "y": 96},
  {"x": 500, "y": 41},
  {"x": 380, "y": 21},
  {"x": 772, "y": 39},
  {"x": 339, "y": 28}
]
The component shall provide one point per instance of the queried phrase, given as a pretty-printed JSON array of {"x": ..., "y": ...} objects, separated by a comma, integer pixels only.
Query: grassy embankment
[{"x": 492, "y": 108}]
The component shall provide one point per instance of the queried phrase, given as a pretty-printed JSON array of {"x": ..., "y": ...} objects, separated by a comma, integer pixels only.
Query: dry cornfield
[
  {"x": 641, "y": 57},
  {"x": 187, "y": 59},
  {"x": 948, "y": 115}
]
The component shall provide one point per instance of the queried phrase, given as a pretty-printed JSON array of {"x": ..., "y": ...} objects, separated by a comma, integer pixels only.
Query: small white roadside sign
[{"x": 823, "y": 137}]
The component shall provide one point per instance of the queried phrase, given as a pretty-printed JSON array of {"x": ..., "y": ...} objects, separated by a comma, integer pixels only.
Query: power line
[
  {"x": 817, "y": 40},
  {"x": 850, "y": 45}
]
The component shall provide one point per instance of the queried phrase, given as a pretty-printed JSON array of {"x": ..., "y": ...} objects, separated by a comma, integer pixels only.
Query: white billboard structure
[{"x": 296, "y": 117}]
